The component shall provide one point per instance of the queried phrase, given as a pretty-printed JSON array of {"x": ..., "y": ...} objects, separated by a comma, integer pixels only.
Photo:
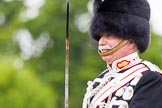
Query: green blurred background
[{"x": 32, "y": 53}]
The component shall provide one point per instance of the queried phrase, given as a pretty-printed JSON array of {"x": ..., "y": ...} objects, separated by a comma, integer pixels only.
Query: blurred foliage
[
  {"x": 38, "y": 80},
  {"x": 20, "y": 88}
]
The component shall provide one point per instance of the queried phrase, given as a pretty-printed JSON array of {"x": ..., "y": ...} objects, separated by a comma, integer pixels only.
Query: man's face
[{"x": 111, "y": 42}]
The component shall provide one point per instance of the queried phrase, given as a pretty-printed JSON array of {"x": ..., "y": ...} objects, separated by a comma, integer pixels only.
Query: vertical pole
[{"x": 67, "y": 58}]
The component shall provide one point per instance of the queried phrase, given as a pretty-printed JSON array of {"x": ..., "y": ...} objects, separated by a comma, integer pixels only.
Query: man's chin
[{"x": 107, "y": 59}]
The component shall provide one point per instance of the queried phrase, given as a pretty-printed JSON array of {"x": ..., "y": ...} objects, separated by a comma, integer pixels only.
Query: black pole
[{"x": 67, "y": 58}]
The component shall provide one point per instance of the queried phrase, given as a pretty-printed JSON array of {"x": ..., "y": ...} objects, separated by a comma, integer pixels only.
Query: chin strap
[{"x": 113, "y": 50}]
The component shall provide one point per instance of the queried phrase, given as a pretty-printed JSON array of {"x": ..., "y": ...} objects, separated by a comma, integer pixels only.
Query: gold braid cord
[{"x": 110, "y": 52}]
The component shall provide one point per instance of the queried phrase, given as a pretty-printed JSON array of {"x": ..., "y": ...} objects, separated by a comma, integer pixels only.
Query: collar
[{"x": 125, "y": 62}]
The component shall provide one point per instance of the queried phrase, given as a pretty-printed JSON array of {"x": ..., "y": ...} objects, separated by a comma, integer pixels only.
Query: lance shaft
[{"x": 67, "y": 58}]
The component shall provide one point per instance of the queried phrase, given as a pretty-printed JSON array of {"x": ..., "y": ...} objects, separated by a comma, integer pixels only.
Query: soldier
[{"x": 122, "y": 30}]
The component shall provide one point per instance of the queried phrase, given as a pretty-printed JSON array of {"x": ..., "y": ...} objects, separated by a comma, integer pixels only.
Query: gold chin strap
[{"x": 113, "y": 50}]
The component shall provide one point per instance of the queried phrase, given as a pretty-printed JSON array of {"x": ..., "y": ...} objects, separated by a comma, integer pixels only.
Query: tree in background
[
  {"x": 32, "y": 46},
  {"x": 20, "y": 88}
]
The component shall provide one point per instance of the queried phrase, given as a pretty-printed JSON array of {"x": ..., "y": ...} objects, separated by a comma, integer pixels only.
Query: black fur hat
[{"x": 128, "y": 19}]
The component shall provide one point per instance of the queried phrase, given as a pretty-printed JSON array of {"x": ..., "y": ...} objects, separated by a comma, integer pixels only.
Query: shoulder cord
[{"x": 92, "y": 91}]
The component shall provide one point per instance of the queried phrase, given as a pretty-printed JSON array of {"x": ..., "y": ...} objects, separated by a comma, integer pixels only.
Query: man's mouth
[{"x": 104, "y": 48}]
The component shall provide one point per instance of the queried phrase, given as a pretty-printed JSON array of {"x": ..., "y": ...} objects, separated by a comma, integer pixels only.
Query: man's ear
[{"x": 132, "y": 44}]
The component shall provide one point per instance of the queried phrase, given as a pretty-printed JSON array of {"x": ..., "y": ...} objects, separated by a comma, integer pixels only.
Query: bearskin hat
[{"x": 128, "y": 19}]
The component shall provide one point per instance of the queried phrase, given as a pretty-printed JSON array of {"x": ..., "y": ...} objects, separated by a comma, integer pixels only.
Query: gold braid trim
[{"x": 116, "y": 48}]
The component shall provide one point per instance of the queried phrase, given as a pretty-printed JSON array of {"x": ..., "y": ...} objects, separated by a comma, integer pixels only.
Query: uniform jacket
[{"x": 130, "y": 83}]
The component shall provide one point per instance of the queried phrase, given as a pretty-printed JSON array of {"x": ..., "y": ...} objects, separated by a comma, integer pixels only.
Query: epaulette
[{"x": 152, "y": 67}]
